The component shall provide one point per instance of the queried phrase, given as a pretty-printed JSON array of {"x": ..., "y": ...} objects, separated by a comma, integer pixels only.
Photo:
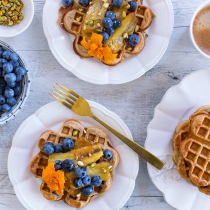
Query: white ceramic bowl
[
  {"x": 24, "y": 84},
  {"x": 203, "y": 5},
  {"x": 28, "y": 14}
]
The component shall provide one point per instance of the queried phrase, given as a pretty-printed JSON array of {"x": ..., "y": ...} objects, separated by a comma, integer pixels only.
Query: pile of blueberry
[
  {"x": 50, "y": 148},
  {"x": 11, "y": 73},
  {"x": 68, "y": 165}
]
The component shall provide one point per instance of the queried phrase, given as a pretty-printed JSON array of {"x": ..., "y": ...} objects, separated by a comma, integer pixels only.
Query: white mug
[{"x": 203, "y": 5}]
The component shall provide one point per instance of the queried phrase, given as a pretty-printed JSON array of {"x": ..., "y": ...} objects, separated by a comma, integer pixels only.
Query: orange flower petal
[
  {"x": 109, "y": 57},
  {"x": 54, "y": 179},
  {"x": 85, "y": 44},
  {"x": 97, "y": 38}
]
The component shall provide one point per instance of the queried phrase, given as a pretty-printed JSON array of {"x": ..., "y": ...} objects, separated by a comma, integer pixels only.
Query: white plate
[
  {"x": 91, "y": 69},
  {"x": 178, "y": 104},
  {"x": 28, "y": 14},
  {"x": 52, "y": 116}
]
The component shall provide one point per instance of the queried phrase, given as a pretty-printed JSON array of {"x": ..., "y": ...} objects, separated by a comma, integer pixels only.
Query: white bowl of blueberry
[{"x": 14, "y": 82}]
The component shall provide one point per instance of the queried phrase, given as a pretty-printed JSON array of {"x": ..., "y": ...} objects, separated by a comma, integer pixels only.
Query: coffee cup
[{"x": 200, "y": 29}]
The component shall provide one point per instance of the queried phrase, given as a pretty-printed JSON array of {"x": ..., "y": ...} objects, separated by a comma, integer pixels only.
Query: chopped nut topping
[
  {"x": 75, "y": 133},
  {"x": 80, "y": 163},
  {"x": 125, "y": 35},
  {"x": 78, "y": 194},
  {"x": 109, "y": 167},
  {"x": 93, "y": 165},
  {"x": 136, "y": 28},
  {"x": 106, "y": 5}
]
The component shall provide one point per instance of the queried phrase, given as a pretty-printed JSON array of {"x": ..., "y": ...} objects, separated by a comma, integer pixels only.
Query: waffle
[
  {"x": 68, "y": 20},
  {"x": 92, "y": 136},
  {"x": 191, "y": 153}
]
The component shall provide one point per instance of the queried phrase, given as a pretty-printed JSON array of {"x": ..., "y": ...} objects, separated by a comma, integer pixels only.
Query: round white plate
[
  {"x": 179, "y": 102},
  {"x": 28, "y": 14},
  {"x": 52, "y": 116},
  {"x": 91, "y": 69}
]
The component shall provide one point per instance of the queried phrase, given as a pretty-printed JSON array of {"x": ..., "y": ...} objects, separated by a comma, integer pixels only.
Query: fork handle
[{"x": 133, "y": 145}]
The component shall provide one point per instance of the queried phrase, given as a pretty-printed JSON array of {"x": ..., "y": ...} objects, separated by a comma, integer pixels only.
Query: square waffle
[
  {"x": 72, "y": 19},
  {"x": 84, "y": 137},
  {"x": 191, "y": 153}
]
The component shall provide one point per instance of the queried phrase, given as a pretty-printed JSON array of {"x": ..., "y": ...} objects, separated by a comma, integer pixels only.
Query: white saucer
[
  {"x": 24, "y": 148},
  {"x": 179, "y": 102},
  {"x": 91, "y": 69}
]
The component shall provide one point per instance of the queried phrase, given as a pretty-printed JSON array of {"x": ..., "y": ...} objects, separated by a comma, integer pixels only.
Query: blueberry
[
  {"x": 19, "y": 78},
  {"x": 55, "y": 193},
  {"x": 14, "y": 57},
  {"x": 6, "y": 54},
  {"x": 11, "y": 77},
  {"x": 49, "y": 148},
  {"x": 11, "y": 84},
  {"x": 81, "y": 172},
  {"x": 59, "y": 148},
  {"x": 1, "y": 108},
  {"x": 9, "y": 93},
  {"x": 84, "y": 3},
  {"x": 17, "y": 90},
  {"x": 2, "y": 99},
  {"x": 110, "y": 14},
  {"x": 107, "y": 154},
  {"x": 86, "y": 180},
  {"x": 77, "y": 183},
  {"x": 68, "y": 144},
  {"x": 1, "y": 90},
  {"x": 117, "y": 3},
  {"x": 105, "y": 36},
  {"x": 87, "y": 191},
  {"x": 67, "y": 2},
  {"x": 15, "y": 64},
  {"x": 117, "y": 23},
  {"x": 2, "y": 62},
  {"x": 133, "y": 6},
  {"x": 68, "y": 165},
  {"x": 107, "y": 23},
  {"x": 11, "y": 101},
  {"x": 110, "y": 30},
  {"x": 20, "y": 71},
  {"x": 7, "y": 68},
  {"x": 96, "y": 181},
  {"x": 2, "y": 82},
  {"x": 58, "y": 165},
  {"x": 6, "y": 108},
  {"x": 1, "y": 52},
  {"x": 133, "y": 39}
]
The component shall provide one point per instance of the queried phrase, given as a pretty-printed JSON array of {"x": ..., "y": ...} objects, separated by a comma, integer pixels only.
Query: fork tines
[{"x": 71, "y": 99}]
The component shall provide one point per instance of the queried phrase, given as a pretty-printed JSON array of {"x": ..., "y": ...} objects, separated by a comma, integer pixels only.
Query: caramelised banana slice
[
  {"x": 116, "y": 41},
  {"x": 95, "y": 15}
]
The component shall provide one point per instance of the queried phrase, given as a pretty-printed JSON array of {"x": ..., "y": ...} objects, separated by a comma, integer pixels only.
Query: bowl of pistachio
[{"x": 15, "y": 16}]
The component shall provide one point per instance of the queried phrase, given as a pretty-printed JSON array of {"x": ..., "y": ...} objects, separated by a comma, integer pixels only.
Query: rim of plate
[
  {"x": 109, "y": 80},
  {"x": 42, "y": 109},
  {"x": 154, "y": 118},
  {"x": 26, "y": 26}
]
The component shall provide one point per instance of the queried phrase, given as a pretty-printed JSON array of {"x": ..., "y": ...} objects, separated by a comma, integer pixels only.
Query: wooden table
[{"x": 134, "y": 102}]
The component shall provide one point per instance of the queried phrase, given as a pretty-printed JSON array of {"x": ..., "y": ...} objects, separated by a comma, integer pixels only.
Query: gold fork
[{"x": 81, "y": 107}]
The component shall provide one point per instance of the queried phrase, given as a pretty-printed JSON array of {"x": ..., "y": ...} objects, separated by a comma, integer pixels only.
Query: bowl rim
[
  {"x": 203, "y": 5},
  {"x": 26, "y": 25},
  {"x": 25, "y": 92}
]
